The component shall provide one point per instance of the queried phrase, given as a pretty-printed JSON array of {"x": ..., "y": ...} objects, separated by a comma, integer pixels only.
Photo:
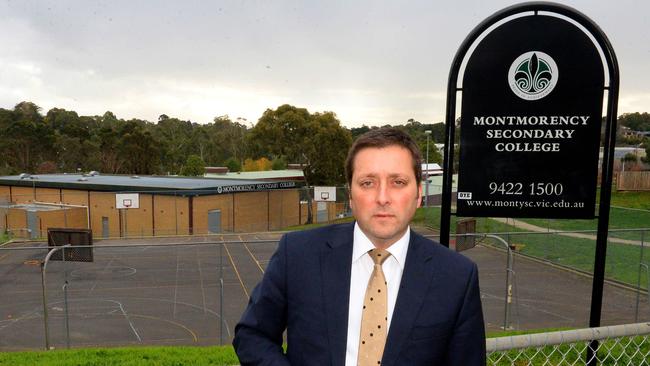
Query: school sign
[{"x": 531, "y": 121}]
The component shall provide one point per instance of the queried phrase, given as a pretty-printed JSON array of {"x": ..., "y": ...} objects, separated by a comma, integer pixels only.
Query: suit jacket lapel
[
  {"x": 336, "y": 263},
  {"x": 416, "y": 278}
]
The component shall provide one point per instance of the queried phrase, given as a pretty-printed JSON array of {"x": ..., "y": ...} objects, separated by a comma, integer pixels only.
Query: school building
[{"x": 132, "y": 206}]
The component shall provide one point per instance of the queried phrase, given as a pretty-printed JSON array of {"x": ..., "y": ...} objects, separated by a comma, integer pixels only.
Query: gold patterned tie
[{"x": 375, "y": 309}]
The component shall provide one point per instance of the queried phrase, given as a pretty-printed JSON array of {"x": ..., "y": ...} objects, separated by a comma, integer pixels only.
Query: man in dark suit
[{"x": 337, "y": 289}]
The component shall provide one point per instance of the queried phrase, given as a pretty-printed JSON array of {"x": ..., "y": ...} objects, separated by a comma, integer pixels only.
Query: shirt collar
[{"x": 362, "y": 245}]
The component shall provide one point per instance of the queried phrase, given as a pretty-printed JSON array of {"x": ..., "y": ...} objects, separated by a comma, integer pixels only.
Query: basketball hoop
[{"x": 127, "y": 203}]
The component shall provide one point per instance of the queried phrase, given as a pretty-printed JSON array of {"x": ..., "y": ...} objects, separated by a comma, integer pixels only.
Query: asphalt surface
[{"x": 171, "y": 294}]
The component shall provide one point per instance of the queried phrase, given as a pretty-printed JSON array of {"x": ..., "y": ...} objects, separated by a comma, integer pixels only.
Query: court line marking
[
  {"x": 196, "y": 339},
  {"x": 102, "y": 271},
  {"x": 234, "y": 266},
  {"x": 153, "y": 299},
  {"x": 251, "y": 254},
  {"x": 176, "y": 282},
  {"x": 126, "y": 316},
  {"x": 198, "y": 258}
]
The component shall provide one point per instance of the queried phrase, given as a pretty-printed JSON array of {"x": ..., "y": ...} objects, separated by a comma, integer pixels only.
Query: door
[
  {"x": 321, "y": 211},
  {"x": 214, "y": 221},
  {"x": 32, "y": 225},
  {"x": 105, "y": 228}
]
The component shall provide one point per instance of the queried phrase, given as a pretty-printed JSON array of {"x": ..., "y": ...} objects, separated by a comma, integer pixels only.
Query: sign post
[{"x": 530, "y": 128}]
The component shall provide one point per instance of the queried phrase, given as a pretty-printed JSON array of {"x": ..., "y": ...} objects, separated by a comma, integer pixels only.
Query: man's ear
[
  {"x": 419, "y": 198},
  {"x": 349, "y": 192}
]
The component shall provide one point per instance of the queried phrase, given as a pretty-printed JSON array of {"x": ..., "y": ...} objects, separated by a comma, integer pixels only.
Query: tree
[
  {"x": 635, "y": 121},
  {"x": 326, "y": 150},
  {"x": 630, "y": 160},
  {"x": 278, "y": 163},
  {"x": 194, "y": 166},
  {"x": 260, "y": 164},
  {"x": 139, "y": 148},
  {"x": 175, "y": 140},
  {"x": 27, "y": 140},
  {"x": 250, "y": 165},
  {"x": 46, "y": 167},
  {"x": 358, "y": 131},
  {"x": 283, "y": 132},
  {"x": 316, "y": 140},
  {"x": 233, "y": 164},
  {"x": 107, "y": 139}
]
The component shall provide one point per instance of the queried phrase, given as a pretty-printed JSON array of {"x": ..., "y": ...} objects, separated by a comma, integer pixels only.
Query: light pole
[{"x": 426, "y": 174}]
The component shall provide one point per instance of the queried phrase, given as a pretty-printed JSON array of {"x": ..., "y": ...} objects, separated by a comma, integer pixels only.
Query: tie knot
[{"x": 379, "y": 255}]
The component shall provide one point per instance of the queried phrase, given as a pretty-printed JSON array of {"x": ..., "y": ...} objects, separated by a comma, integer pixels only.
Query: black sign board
[
  {"x": 74, "y": 237},
  {"x": 531, "y": 122}
]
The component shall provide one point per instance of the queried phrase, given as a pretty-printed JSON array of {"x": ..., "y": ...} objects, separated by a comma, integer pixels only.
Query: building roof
[
  {"x": 123, "y": 183},
  {"x": 431, "y": 166},
  {"x": 289, "y": 174}
]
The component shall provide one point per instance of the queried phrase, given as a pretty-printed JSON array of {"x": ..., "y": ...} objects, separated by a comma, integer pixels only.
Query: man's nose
[{"x": 383, "y": 194}]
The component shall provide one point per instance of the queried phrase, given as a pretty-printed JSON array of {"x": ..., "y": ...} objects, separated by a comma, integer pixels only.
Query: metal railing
[{"x": 617, "y": 345}]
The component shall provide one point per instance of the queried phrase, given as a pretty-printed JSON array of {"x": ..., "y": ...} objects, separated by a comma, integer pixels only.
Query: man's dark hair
[{"x": 384, "y": 137}]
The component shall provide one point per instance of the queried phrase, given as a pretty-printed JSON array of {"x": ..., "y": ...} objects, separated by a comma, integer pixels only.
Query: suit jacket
[{"x": 437, "y": 318}]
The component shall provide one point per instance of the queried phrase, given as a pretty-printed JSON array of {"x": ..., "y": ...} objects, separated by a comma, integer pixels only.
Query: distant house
[
  {"x": 629, "y": 133},
  {"x": 431, "y": 169}
]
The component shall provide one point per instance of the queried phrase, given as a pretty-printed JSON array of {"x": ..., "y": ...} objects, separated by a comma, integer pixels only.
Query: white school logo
[{"x": 533, "y": 75}]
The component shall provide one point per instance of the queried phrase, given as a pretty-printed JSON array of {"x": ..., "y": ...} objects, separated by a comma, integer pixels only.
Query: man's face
[{"x": 384, "y": 193}]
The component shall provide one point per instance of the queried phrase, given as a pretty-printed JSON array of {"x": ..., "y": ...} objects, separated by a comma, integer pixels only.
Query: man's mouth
[{"x": 383, "y": 215}]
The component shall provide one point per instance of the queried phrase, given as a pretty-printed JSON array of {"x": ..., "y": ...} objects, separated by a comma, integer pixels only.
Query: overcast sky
[{"x": 371, "y": 62}]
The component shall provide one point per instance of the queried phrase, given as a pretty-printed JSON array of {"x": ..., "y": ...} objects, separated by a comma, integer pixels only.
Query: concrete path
[{"x": 530, "y": 227}]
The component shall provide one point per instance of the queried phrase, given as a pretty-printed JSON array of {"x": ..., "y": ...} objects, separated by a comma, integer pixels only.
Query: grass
[
  {"x": 622, "y": 259},
  {"x": 619, "y": 218},
  {"x": 127, "y": 356},
  {"x": 225, "y": 355},
  {"x": 640, "y": 200},
  {"x": 622, "y": 262}
]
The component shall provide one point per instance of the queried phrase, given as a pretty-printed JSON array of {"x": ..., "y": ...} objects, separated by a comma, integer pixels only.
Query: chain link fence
[
  {"x": 615, "y": 345},
  {"x": 192, "y": 290}
]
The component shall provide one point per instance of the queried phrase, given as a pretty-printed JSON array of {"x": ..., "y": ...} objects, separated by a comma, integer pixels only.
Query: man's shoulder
[
  {"x": 326, "y": 234},
  {"x": 443, "y": 254}
]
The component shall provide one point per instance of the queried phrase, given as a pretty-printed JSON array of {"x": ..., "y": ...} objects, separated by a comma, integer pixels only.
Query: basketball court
[{"x": 135, "y": 293}]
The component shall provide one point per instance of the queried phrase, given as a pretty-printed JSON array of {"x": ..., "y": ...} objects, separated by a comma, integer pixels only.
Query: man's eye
[
  {"x": 400, "y": 182},
  {"x": 366, "y": 183}
]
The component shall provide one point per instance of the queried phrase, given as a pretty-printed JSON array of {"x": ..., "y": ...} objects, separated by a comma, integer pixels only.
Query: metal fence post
[
  {"x": 65, "y": 299},
  {"x": 509, "y": 272},
  {"x": 45, "y": 315},
  {"x": 638, "y": 281},
  {"x": 221, "y": 294}
]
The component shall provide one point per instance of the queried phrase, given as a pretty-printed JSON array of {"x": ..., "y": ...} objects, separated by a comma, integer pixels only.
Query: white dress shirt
[{"x": 362, "y": 267}]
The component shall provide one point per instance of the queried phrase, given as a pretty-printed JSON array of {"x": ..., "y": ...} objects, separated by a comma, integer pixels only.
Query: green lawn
[
  {"x": 631, "y": 199},
  {"x": 127, "y": 356},
  {"x": 622, "y": 259},
  {"x": 619, "y": 218},
  {"x": 225, "y": 356},
  {"x": 3, "y": 238}
]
